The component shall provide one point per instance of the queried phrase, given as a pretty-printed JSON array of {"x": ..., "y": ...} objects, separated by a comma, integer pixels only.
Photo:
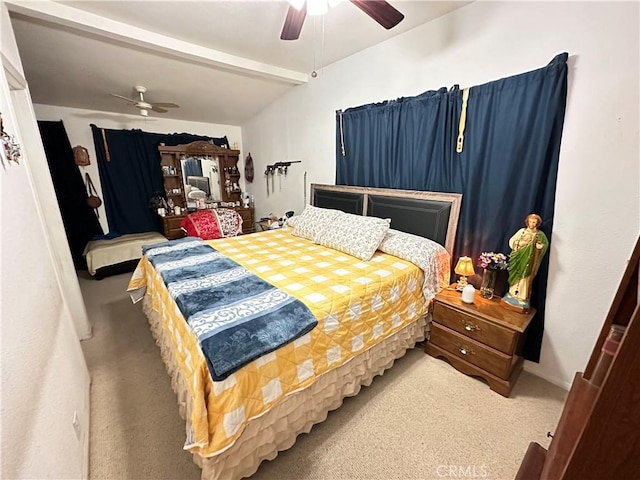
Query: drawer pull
[
  {"x": 464, "y": 350},
  {"x": 469, "y": 327}
]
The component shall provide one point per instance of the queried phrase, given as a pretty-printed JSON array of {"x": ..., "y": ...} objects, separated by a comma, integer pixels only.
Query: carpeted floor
[{"x": 420, "y": 420}]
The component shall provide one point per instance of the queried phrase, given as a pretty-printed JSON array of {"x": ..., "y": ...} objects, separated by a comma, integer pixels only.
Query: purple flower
[{"x": 492, "y": 260}]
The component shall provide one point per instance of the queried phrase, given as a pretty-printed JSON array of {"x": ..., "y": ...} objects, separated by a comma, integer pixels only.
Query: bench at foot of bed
[{"x": 118, "y": 255}]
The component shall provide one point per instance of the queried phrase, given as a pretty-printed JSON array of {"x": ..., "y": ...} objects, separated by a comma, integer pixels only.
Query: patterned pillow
[
  {"x": 430, "y": 256},
  {"x": 212, "y": 224},
  {"x": 353, "y": 234},
  {"x": 312, "y": 220},
  {"x": 291, "y": 221}
]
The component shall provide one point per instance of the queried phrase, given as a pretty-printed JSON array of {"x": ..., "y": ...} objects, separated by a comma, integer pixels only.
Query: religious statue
[{"x": 528, "y": 246}]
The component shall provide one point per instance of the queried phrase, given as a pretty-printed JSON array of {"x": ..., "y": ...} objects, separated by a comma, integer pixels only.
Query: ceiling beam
[{"x": 74, "y": 18}]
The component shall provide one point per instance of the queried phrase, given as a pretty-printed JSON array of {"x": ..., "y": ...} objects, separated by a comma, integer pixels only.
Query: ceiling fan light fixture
[{"x": 381, "y": 11}]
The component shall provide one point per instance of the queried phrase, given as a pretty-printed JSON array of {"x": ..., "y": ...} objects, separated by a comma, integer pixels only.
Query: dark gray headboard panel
[
  {"x": 345, "y": 201},
  {"x": 432, "y": 215},
  {"x": 404, "y": 212}
]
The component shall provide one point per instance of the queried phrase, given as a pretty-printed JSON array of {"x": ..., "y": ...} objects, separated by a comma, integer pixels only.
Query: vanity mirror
[
  {"x": 201, "y": 178},
  {"x": 200, "y": 171}
]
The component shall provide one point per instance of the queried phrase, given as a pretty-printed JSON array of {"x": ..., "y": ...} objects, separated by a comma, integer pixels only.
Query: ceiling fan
[
  {"x": 380, "y": 10},
  {"x": 144, "y": 106}
]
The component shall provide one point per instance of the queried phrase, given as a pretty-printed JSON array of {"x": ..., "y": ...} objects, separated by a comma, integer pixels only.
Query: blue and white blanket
[{"x": 236, "y": 315}]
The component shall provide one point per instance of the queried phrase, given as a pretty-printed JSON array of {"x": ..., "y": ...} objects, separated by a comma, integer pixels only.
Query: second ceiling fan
[
  {"x": 380, "y": 10},
  {"x": 141, "y": 104}
]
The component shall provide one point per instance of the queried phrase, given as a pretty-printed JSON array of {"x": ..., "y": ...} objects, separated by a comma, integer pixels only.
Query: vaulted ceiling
[{"x": 221, "y": 61}]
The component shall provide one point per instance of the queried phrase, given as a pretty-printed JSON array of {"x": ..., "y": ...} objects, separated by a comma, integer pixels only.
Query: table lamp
[{"x": 464, "y": 268}]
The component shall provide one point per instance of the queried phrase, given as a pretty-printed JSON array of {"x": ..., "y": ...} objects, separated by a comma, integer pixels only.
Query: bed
[
  {"x": 111, "y": 256},
  {"x": 367, "y": 313}
]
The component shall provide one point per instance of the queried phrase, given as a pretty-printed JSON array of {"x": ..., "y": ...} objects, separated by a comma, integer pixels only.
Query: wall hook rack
[
  {"x": 281, "y": 168},
  {"x": 280, "y": 165}
]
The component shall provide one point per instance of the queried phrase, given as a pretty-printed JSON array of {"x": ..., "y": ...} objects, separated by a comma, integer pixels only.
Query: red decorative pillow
[
  {"x": 212, "y": 224},
  {"x": 203, "y": 224}
]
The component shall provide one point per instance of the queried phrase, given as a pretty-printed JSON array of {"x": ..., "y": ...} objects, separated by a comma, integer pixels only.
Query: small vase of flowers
[{"x": 491, "y": 262}]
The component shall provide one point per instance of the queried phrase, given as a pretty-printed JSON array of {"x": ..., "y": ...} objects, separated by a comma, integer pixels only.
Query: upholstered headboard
[{"x": 431, "y": 215}]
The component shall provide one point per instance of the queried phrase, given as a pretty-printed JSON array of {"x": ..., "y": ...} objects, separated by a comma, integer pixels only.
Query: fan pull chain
[
  {"x": 322, "y": 46},
  {"x": 314, "y": 74}
]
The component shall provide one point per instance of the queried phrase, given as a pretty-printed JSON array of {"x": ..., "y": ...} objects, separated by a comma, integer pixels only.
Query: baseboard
[
  {"x": 87, "y": 429},
  {"x": 534, "y": 369}
]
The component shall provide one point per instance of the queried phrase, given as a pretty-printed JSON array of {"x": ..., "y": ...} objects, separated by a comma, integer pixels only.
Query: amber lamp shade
[{"x": 464, "y": 268}]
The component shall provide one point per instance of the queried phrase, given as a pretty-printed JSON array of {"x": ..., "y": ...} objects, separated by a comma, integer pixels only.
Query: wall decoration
[
  {"x": 248, "y": 168},
  {"x": 281, "y": 168},
  {"x": 10, "y": 150},
  {"x": 81, "y": 156}
]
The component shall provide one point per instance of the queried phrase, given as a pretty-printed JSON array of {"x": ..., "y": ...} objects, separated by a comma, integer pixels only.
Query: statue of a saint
[{"x": 528, "y": 246}]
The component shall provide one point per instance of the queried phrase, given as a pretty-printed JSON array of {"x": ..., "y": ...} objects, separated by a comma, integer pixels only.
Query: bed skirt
[{"x": 277, "y": 429}]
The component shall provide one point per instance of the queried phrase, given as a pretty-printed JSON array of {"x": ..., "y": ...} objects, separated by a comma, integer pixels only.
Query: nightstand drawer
[
  {"x": 171, "y": 226},
  {"x": 247, "y": 219},
  {"x": 172, "y": 222},
  {"x": 473, "y": 352},
  {"x": 484, "y": 332},
  {"x": 246, "y": 214}
]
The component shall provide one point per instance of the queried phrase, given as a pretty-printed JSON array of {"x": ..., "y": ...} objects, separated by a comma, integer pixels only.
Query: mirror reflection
[{"x": 201, "y": 179}]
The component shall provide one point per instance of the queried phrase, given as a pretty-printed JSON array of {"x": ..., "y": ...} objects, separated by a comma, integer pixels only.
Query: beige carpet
[{"x": 422, "y": 419}]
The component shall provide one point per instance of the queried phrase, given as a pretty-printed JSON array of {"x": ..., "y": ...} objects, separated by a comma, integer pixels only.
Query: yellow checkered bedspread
[{"x": 357, "y": 305}]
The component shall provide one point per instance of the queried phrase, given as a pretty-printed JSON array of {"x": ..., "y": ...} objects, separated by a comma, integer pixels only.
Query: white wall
[
  {"x": 597, "y": 217},
  {"x": 44, "y": 378},
  {"x": 76, "y": 123}
]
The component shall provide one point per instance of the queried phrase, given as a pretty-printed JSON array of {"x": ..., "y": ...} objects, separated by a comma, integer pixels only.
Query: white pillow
[
  {"x": 312, "y": 220},
  {"x": 291, "y": 221},
  {"x": 431, "y": 257},
  {"x": 354, "y": 234}
]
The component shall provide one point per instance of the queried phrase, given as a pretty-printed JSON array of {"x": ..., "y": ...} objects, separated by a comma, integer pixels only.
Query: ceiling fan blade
[
  {"x": 158, "y": 109},
  {"x": 124, "y": 98},
  {"x": 381, "y": 11},
  {"x": 165, "y": 105},
  {"x": 293, "y": 23}
]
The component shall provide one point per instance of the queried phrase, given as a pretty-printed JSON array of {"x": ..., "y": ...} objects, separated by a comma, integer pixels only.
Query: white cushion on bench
[{"x": 102, "y": 253}]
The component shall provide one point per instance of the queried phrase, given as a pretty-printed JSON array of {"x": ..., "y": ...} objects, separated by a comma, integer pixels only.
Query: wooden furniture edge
[
  {"x": 620, "y": 301},
  {"x": 195, "y": 147},
  {"x": 498, "y": 385},
  {"x": 468, "y": 310},
  {"x": 532, "y": 463}
]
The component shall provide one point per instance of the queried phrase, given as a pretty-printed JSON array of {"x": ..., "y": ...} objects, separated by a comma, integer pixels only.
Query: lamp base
[{"x": 461, "y": 283}]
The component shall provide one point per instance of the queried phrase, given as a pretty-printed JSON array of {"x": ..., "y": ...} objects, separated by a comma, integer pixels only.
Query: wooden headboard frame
[{"x": 433, "y": 215}]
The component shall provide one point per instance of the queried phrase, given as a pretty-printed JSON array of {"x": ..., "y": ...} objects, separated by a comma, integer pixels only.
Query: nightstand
[
  {"x": 171, "y": 226},
  {"x": 247, "y": 219},
  {"x": 481, "y": 339}
]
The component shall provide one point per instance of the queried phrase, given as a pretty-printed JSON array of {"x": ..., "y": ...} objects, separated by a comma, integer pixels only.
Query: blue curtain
[
  {"x": 506, "y": 170},
  {"x": 130, "y": 174},
  {"x": 192, "y": 166},
  {"x": 80, "y": 221}
]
